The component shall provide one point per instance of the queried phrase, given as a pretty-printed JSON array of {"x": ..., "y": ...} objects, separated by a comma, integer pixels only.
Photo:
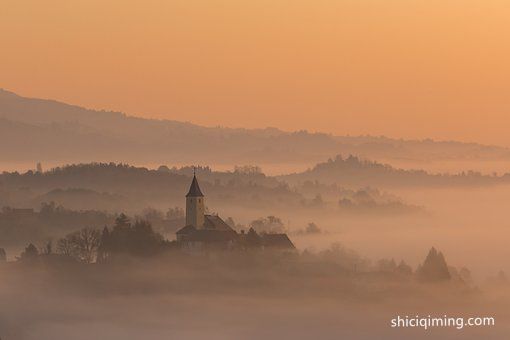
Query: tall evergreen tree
[{"x": 434, "y": 268}]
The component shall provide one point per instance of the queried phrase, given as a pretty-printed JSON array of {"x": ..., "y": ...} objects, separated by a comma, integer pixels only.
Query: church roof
[
  {"x": 194, "y": 189},
  {"x": 277, "y": 241},
  {"x": 189, "y": 229},
  {"x": 211, "y": 235},
  {"x": 214, "y": 222}
]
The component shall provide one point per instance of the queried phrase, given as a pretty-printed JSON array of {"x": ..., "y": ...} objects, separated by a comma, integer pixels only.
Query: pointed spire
[{"x": 194, "y": 189}]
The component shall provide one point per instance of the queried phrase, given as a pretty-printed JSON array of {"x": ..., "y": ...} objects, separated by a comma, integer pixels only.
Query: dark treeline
[
  {"x": 126, "y": 240},
  {"x": 94, "y": 245},
  {"x": 364, "y": 200},
  {"x": 120, "y": 187},
  {"x": 355, "y": 172},
  {"x": 136, "y": 187},
  {"x": 17, "y": 226}
]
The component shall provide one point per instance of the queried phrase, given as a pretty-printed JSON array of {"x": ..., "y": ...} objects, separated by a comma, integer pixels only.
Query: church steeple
[
  {"x": 195, "y": 206},
  {"x": 194, "y": 188}
]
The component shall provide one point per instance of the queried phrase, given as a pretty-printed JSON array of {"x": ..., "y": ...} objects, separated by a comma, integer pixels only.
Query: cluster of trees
[
  {"x": 433, "y": 269},
  {"x": 315, "y": 202},
  {"x": 310, "y": 229},
  {"x": 265, "y": 225},
  {"x": 52, "y": 220},
  {"x": 137, "y": 239},
  {"x": 241, "y": 174},
  {"x": 126, "y": 238},
  {"x": 390, "y": 266},
  {"x": 373, "y": 200},
  {"x": 268, "y": 225},
  {"x": 273, "y": 225},
  {"x": 81, "y": 245},
  {"x": 90, "y": 245},
  {"x": 164, "y": 222}
]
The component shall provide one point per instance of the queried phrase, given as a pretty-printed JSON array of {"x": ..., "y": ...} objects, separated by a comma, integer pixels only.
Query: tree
[
  {"x": 174, "y": 213},
  {"x": 434, "y": 268},
  {"x": 104, "y": 246},
  {"x": 81, "y": 245},
  {"x": 122, "y": 221},
  {"x": 50, "y": 208},
  {"x": 317, "y": 201},
  {"x": 404, "y": 269},
  {"x": 465, "y": 274},
  {"x": 248, "y": 170},
  {"x": 87, "y": 241},
  {"x": 252, "y": 239},
  {"x": 151, "y": 214},
  {"x": 48, "y": 248},
  {"x": 386, "y": 265},
  {"x": 269, "y": 224},
  {"x": 138, "y": 239},
  {"x": 230, "y": 221},
  {"x": 66, "y": 247},
  {"x": 30, "y": 253},
  {"x": 312, "y": 228},
  {"x": 164, "y": 168}
]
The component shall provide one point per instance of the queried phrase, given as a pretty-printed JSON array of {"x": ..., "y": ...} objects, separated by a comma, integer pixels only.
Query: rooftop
[{"x": 194, "y": 189}]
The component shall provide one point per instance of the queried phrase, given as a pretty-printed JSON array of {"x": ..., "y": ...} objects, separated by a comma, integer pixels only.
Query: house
[{"x": 204, "y": 231}]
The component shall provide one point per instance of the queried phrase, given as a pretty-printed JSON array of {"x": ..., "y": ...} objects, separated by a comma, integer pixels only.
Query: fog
[
  {"x": 204, "y": 298},
  {"x": 335, "y": 285},
  {"x": 470, "y": 225}
]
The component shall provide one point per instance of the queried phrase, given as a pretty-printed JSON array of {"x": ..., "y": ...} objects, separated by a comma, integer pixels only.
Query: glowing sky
[{"x": 402, "y": 68}]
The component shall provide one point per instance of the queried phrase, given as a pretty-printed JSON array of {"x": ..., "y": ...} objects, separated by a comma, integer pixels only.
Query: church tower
[{"x": 195, "y": 206}]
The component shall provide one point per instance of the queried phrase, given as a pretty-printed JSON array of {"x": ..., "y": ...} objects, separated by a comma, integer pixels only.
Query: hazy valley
[{"x": 362, "y": 212}]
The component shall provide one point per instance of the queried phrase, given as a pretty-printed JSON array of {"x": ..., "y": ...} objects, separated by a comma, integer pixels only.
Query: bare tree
[
  {"x": 87, "y": 241},
  {"x": 47, "y": 248},
  {"x": 30, "y": 253},
  {"x": 65, "y": 246},
  {"x": 81, "y": 245}
]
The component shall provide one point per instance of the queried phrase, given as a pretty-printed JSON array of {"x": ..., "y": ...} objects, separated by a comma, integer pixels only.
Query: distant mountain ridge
[{"x": 47, "y": 130}]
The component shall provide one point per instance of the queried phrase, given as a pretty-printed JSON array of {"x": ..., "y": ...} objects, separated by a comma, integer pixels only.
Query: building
[{"x": 204, "y": 231}]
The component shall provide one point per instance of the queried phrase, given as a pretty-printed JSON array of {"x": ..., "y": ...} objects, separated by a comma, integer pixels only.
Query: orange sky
[{"x": 402, "y": 68}]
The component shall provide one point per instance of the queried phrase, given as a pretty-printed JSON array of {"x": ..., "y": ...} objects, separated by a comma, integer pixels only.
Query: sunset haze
[{"x": 411, "y": 69}]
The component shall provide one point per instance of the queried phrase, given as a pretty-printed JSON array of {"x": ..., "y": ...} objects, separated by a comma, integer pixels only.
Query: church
[{"x": 203, "y": 231}]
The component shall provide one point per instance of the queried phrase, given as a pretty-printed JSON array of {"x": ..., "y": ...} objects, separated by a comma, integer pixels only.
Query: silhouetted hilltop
[
  {"x": 138, "y": 187},
  {"x": 48, "y": 130},
  {"x": 353, "y": 171},
  {"x": 119, "y": 187},
  {"x": 80, "y": 199}
]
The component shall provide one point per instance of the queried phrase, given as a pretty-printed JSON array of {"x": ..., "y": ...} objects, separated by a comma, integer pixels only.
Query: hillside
[
  {"x": 49, "y": 131},
  {"x": 352, "y": 172},
  {"x": 123, "y": 187},
  {"x": 119, "y": 187}
]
